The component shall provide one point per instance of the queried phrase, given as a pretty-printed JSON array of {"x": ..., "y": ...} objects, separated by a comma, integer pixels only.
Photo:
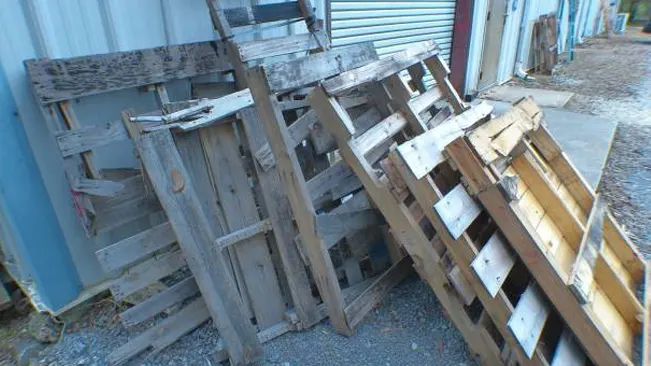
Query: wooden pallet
[
  {"x": 525, "y": 324},
  {"x": 580, "y": 258}
]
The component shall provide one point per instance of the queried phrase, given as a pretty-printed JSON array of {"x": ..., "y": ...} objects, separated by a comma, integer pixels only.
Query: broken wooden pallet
[{"x": 580, "y": 258}]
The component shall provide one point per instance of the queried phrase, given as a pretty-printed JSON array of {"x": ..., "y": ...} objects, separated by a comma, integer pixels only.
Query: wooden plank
[
  {"x": 97, "y": 187},
  {"x": 380, "y": 133},
  {"x": 311, "y": 69},
  {"x": 264, "y": 13},
  {"x": 236, "y": 198},
  {"x": 143, "y": 274},
  {"x": 196, "y": 236},
  {"x": 134, "y": 248},
  {"x": 380, "y": 69},
  {"x": 159, "y": 302},
  {"x": 87, "y": 138},
  {"x": 581, "y": 280},
  {"x": 461, "y": 285},
  {"x": 457, "y": 210},
  {"x": 295, "y": 186},
  {"x": 218, "y": 109},
  {"x": 322, "y": 139},
  {"x": 493, "y": 263},
  {"x": 243, "y": 234},
  {"x": 335, "y": 226},
  {"x": 440, "y": 71},
  {"x": 322, "y": 184},
  {"x": 424, "y": 152},
  {"x": 369, "y": 299},
  {"x": 269, "y": 47},
  {"x": 626, "y": 251},
  {"x": 424, "y": 101},
  {"x": 170, "y": 329},
  {"x": 281, "y": 216},
  {"x": 529, "y": 318},
  {"x": 55, "y": 80},
  {"x": 568, "y": 352}
]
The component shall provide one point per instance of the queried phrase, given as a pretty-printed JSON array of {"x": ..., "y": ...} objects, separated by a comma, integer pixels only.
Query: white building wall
[{"x": 68, "y": 28}]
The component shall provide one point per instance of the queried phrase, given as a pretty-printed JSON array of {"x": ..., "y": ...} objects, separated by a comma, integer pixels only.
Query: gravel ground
[
  {"x": 409, "y": 328},
  {"x": 612, "y": 79}
]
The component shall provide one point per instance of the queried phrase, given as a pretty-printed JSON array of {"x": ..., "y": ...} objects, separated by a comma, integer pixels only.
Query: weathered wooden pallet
[{"x": 562, "y": 232}]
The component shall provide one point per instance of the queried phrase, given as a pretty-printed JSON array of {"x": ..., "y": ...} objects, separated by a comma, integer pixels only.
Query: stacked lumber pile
[{"x": 312, "y": 184}]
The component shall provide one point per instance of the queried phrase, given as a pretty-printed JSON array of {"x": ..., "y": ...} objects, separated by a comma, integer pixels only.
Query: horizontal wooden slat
[
  {"x": 424, "y": 152},
  {"x": 310, "y": 69},
  {"x": 145, "y": 273},
  {"x": 457, "y": 210},
  {"x": 528, "y": 319},
  {"x": 269, "y": 47},
  {"x": 380, "y": 133},
  {"x": 219, "y": 108},
  {"x": 159, "y": 302},
  {"x": 249, "y": 15},
  {"x": 63, "y": 79},
  {"x": 493, "y": 263},
  {"x": 170, "y": 329},
  {"x": 98, "y": 187},
  {"x": 322, "y": 185},
  {"x": 380, "y": 69},
  {"x": 243, "y": 234},
  {"x": 90, "y": 137},
  {"x": 134, "y": 248},
  {"x": 422, "y": 102}
]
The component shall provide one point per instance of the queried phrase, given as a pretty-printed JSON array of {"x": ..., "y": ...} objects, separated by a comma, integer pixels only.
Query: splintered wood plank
[
  {"x": 87, "y": 138},
  {"x": 159, "y": 302},
  {"x": 493, "y": 263},
  {"x": 529, "y": 318},
  {"x": 196, "y": 237},
  {"x": 264, "y": 13},
  {"x": 170, "y": 329},
  {"x": 381, "y": 132},
  {"x": 313, "y": 68},
  {"x": 568, "y": 352},
  {"x": 55, "y": 80},
  {"x": 236, "y": 198},
  {"x": 424, "y": 152},
  {"x": 381, "y": 69},
  {"x": 145, "y": 273},
  {"x": 457, "y": 210},
  {"x": 131, "y": 249},
  {"x": 368, "y": 299},
  {"x": 582, "y": 278},
  {"x": 269, "y": 47}
]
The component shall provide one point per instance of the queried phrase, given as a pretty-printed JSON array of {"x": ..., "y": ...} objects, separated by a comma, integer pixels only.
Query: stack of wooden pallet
[
  {"x": 539, "y": 254},
  {"x": 545, "y": 45},
  {"x": 320, "y": 178}
]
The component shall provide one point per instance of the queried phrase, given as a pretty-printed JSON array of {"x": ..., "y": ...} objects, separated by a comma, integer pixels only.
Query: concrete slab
[
  {"x": 585, "y": 139},
  {"x": 544, "y": 98}
]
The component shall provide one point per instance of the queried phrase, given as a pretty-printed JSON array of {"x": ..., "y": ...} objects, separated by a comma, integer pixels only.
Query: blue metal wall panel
[{"x": 32, "y": 240}]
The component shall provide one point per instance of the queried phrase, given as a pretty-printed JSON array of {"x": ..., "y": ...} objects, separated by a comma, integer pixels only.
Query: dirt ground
[{"x": 611, "y": 78}]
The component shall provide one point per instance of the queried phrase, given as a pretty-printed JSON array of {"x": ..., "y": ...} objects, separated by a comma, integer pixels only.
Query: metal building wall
[
  {"x": 68, "y": 28},
  {"x": 392, "y": 26}
]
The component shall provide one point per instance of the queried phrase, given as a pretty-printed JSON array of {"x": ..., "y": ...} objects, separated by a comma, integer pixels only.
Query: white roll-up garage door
[{"x": 392, "y": 25}]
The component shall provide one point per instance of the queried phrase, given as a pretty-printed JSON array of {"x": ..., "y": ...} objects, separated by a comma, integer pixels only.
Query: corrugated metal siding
[
  {"x": 68, "y": 28},
  {"x": 393, "y": 26}
]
